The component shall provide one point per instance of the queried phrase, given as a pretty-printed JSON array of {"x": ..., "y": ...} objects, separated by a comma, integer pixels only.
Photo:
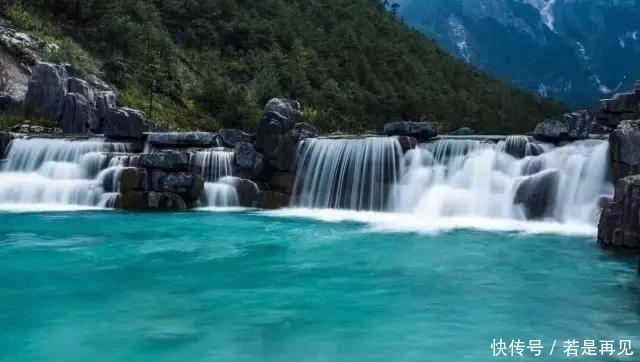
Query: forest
[{"x": 206, "y": 64}]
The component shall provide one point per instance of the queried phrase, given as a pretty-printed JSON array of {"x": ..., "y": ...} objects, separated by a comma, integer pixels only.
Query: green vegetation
[{"x": 211, "y": 63}]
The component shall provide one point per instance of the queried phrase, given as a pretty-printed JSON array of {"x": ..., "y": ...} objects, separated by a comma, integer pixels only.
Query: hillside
[
  {"x": 212, "y": 63},
  {"x": 576, "y": 51}
]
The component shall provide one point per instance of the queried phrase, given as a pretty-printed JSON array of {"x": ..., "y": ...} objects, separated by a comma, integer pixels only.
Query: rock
[
  {"x": 105, "y": 101},
  {"x": 29, "y": 128},
  {"x": 407, "y": 143},
  {"x": 247, "y": 162},
  {"x": 281, "y": 181},
  {"x": 46, "y": 92},
  {"x": 619, "y": 225},
  {"x": 5, "y": 140},
  {"x": 78, "y": 114},
  {"x": 285, "y": 157},
  {"x": 231, "y": 137},
  {"x": 464, "y": 131},
  {"x": 168, "y": 161},
  {"x": 286, "y": 108},
  {"x": 598, "y": 129},
  {"x": 248, "y": 192},
  {"x": 272, "y": 200},
  {"x": 79, "y": 86},
  {"x": 624, "y": 149},
  {"x": 520, "y": 146},
  {"x": 182, "y": 139},
  {"x": 8, "y": 104},
  {"x": 186, "y": 184},
  {"x": 421, "y": 131},
  {"x": 568, "y": 127},
  {"x": 271, "y": 129},
  {"x": 149, "y": 201},
  {"x": 536, "y": 193},
  {"x": 124, "y": 123},
  {"x": 621, "y": 107},
  {"x": 132, "y": 179}
]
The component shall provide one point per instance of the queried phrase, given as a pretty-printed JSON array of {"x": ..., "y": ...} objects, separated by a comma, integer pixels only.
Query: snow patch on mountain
[
  {"x": 631, "y": 36},
  {"x": 545, "y": 8},
  {"x": 459, "y": 33}
]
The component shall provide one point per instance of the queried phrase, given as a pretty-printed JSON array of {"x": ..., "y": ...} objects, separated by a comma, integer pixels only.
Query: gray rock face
[
  {"x": 186, "y": 184},
  {"x": 568, "y": 127},
  {"x": 79, "y": 86},
  {"x": 422, "y": 131},
  {"x": 287, "y": 108},
  {"x": 619, "y": 225},
  {"x": 29, "y": 128},
  {"x": 231, "y": 137},
  {"x": 168, "y": 161},
  {"x": 105, "y": 100},
  {"x": 285, "y": 157},
  {"x": 182, "y": 139},
  {"x": 247, "y": 162},
  {"x": 621, "y": 107},
  {"x": 270, "y": 131},
  {"x": 124, "y": 123},
  {"x": 149, "y": 201},
  {"x": 5, "y": 139},
  {"x": 624, "y": 148},
  {"x": 46, "y": 92},
  {"x": 536, "y": 193},
  {"x": 8, "y": 103},
  {"x": 248, "y": 192},
  {"x": 77, "y": 116}
]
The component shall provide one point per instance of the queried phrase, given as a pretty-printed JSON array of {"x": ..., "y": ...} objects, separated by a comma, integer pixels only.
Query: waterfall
[
  {"x": 353, "y": 174},
  {"x": 214, "y": 165},
  {"x": 55, "y": 172},
  {"x": 514, "y": 179}
]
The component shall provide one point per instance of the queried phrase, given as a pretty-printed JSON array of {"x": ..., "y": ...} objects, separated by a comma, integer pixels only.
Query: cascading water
[
  {"x": 462, "y": 178},
  {"x": 346, "y": 173},
  {"x": 215, "y": 165},
  {"x": 56, "y": 172}
]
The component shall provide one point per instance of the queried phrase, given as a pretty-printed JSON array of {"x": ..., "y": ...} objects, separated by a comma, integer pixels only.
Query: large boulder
[
  {"x": 407, "y": 143},
  {"x": 77, "y": 116},
  {"x": 281, "y": 181},
  {"x": 149, "y": 201},
  {"x": 621, "y": 107},
  {"x": 568, "y": 127},
  {"x": 271, "y": 129},
  {"x": 231, "y": 137},
  {"x": 182, "y": 139},
  {"x": 8, "y": 104},
  {"x": 104, "y": 101},
  {"x": 247, "y": 162},
  {"x": 536, "y": 194},
  {"x": 79, "y": 86},
  {"x": 624, "y": 148},
  {"x": 46, "y": 92},
  {"x": 5, "y": 140},
  {"x": 124, "y": 123},
  {"x": 248, "y": 191},
  {"x": 619, "y": 225},
  {"x": 168, "y": 161},
  {"x": 272, "y": 200},
  {"x": 186, "y": 184},
  {"x": 285, "y": 156},
  {"x": 132, "y": 179},
  {"x": 287, "y": 108},
  {"x": 421, "y": 131}
]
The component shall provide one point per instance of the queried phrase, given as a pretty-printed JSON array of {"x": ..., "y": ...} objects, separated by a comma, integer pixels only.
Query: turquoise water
[{"x": 107, "y": 286}]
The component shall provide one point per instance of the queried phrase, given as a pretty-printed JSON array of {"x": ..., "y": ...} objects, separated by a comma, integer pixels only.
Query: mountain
[
  {"x": 214, "y": 63},
  {"x": 576, "y": 51}
]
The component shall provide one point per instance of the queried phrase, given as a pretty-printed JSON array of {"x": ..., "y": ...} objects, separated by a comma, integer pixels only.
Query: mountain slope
[
  {"x": 577, "y": 51},
  {"x": 214, "y": 63}
]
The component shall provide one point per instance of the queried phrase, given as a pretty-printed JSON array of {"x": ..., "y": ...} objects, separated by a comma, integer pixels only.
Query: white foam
[
  {"x": 20, "y": 208},
  {"x": 412, "y": 223}
]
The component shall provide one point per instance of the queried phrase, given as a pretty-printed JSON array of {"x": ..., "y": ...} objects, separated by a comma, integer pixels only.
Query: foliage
[{"x": 213, "y": 63}]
